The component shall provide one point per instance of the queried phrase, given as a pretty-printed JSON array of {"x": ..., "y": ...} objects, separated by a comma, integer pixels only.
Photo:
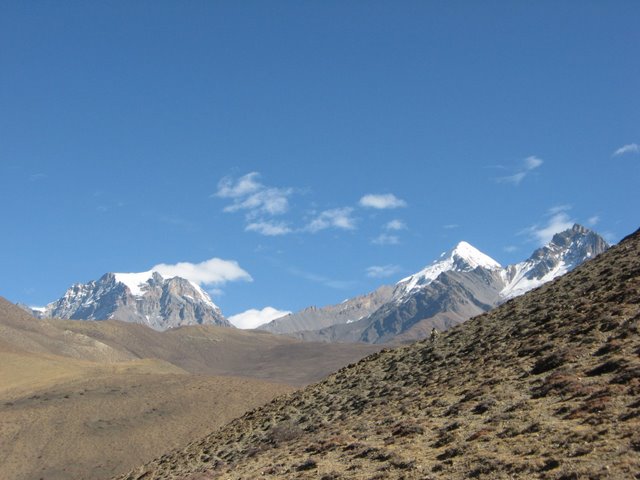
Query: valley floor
[{"x": 93, "y": 422}]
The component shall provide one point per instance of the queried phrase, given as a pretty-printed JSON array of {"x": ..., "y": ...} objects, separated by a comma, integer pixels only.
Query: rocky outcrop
[{"x": 157, "y": 302}]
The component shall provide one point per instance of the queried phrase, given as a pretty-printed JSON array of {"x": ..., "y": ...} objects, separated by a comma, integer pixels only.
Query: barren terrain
[
  {"x": 545, "y": 386},
  {"x": 89, "y": 400}
]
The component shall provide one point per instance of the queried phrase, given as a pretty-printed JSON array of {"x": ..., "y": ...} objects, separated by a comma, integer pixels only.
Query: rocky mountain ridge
[
  {"x": 146, "y": 298},
  {"x": 462, "y": 283},
  {"x": 566, "y": 251},
  {"x": 349, "y": 311}
]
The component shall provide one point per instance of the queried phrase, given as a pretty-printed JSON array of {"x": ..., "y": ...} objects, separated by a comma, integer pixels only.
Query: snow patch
[
  {"x": 134, "y": 281},
  {"x": 203, "y": 295},
  {"x": 463, "y": 257},
  {"x": 521, "y": 282}
]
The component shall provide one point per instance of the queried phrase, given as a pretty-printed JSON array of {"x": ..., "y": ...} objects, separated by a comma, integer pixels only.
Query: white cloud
[
  {"x": 216, "y": 292},
  {"x": 267, "y": 228},
  {"x": 382, "y": 271},
  {"x": 245, "y": 185},
  {"x": 270, "y": 201},
  {"x": 381, "y": 201},
  {"x": 386, "y": 239},
  {"x": 543, "y": 234},
  {"x": 395, "y": 225},
  {"x": 510, "y": 248},
  {"x": 528, "y": 164},
  {"x": 248, "y": 194},
  {"x": 214, "y": 271},
  {"x": 630, "y": 148},
  {"x": 559, "y": 208},
  {"x": 253, "y": 318},
  {"x": 515, "y": 179},
  {"x": 532, "y": 162},
  {"x": 593, "y": 220},
  {"x": 450, "y": 226},
  {"x": 335, "y": 218}
]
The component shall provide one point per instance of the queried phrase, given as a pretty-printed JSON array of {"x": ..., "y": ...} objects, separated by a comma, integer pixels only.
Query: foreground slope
[{"x": 545, "y": 386}]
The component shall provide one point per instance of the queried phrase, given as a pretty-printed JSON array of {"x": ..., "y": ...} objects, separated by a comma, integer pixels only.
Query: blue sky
[{"x": 324, "y": 147}]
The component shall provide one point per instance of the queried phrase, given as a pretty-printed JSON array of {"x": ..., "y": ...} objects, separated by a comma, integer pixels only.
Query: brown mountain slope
[
  {"x": 98, "y": 423},
  {"x": 205, "y": 350},
  {"x": 213, "y": 350},
  {"x": 545, "y": 386},
  {"x": 89, "y": 400},
  {"x": 21, "y": 332},
  {"x": 66, "y": 417}
]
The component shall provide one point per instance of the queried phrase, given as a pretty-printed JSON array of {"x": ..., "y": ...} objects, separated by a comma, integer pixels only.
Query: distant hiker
[{"x": 434, "y": 334}]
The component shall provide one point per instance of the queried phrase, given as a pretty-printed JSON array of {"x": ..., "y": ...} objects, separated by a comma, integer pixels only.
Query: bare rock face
[
  {"x": 154, "y": 301},
  {"x": 449, "y": 300}
]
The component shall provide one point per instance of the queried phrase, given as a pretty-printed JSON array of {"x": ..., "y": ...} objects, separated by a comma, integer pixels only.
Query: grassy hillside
[{"x": 545, "y": 386}]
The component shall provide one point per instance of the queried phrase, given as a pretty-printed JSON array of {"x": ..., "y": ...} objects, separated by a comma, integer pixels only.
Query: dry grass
[
  {"x": 93, "y": 423},
  {"x": 203, "y": 350},
  {"x": 89, "y": 400},
  {"x": 546, "y": 386}
]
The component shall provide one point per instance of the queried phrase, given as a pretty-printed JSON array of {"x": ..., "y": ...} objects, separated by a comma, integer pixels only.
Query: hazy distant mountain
[
  {"x": 349, "y": 311},
  {"x": 462, "y": 283},
  {"x": 145, "y": 298}
]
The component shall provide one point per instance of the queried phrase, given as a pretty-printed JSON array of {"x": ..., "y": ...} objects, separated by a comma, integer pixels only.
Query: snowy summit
[{"x": 464, "y": 257}]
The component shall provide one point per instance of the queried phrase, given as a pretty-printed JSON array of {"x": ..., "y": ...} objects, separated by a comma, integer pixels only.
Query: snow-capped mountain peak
[
  {"x": 464, "y": 257},
  {"x": 567, "y": 250},
  {"x": 462, "y": 283},
  {"x": 138, "y": 283},
  {"x": 144, "y": 297},
  {"x": 472, "y": 257}
]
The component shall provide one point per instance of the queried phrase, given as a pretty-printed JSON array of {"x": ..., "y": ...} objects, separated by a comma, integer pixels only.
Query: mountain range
[
  {"x": 146, "y": 298},
  {"x": 462, "y": 283}
]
